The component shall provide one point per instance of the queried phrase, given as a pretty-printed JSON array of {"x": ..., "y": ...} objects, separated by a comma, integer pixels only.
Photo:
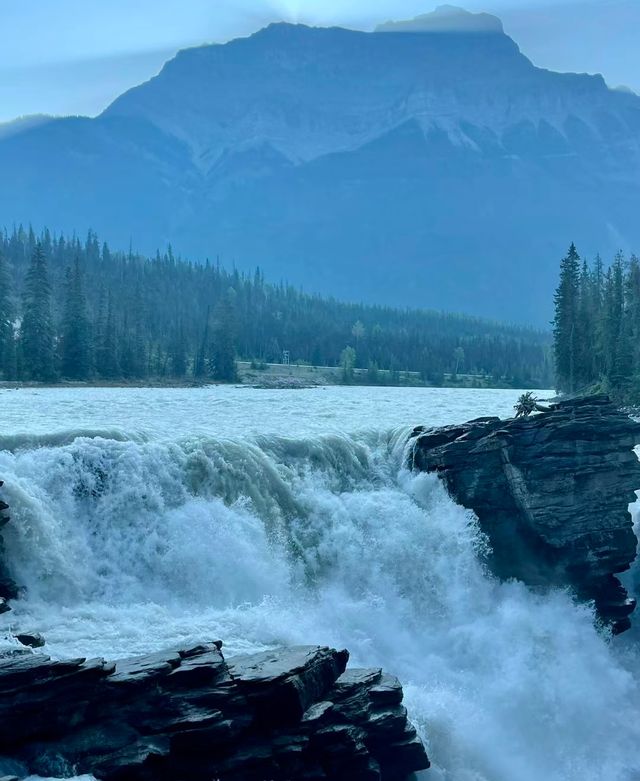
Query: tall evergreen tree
[
  {"x": 223, "y": 352},
  {"x": 76, "y": 347},
  {"x": 99, "y": 321},
  {"x": 633, "y": 315},
  {"x": 106, "y": 354},
  {"x": 7, "y": 315},
  {"x": 565, "y": 330},
  {"x": 585, "y": 328},
  {"x": 616, "y": 335},
  {"x": 597, "y": 316},
  {"x": 200, "y": 359},
  {"x": 178, "y": 354},
  {"x": 36, "y": 331}
]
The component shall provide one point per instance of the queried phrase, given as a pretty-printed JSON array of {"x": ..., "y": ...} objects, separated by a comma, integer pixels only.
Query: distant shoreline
[
  {"x": 157, "y": 384},
  {"x": 277, "y": 376}
]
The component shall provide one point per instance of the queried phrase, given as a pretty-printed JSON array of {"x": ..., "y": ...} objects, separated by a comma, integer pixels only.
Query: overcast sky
[{"x": 75, "y": 56}]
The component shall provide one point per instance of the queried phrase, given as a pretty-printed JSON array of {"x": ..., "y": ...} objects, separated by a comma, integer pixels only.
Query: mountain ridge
[
  {"x": 446, "y": 19},
  {"x": 383, "y": 166}
]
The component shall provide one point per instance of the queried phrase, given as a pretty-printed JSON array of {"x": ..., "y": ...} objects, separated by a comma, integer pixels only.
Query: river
[{"x": 142, "y": 518}]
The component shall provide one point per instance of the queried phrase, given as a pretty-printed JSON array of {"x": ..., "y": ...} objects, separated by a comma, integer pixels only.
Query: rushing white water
[{"x": 147, "y": 518}]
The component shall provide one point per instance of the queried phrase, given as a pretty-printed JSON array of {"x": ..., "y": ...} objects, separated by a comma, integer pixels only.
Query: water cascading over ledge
[
  {"x": 190, "y": 713},
  {"x": 551, "y": 492}
]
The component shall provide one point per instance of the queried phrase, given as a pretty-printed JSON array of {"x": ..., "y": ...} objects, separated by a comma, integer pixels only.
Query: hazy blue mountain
[
  {"x": 427, "y": 163},
  {"x": 445, "y": 19}
]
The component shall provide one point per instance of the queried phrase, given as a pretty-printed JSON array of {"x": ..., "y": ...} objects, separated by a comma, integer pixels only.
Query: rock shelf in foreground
[
  {"x": 290, "y": 713},
  {"x": 551, "y": 491}
]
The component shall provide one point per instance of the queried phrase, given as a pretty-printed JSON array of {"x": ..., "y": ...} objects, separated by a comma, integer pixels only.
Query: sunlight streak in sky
[{"x": 75, "y": 56}]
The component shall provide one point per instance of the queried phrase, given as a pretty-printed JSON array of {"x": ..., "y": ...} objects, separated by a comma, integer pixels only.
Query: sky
[{"x": 75, "y": 56}]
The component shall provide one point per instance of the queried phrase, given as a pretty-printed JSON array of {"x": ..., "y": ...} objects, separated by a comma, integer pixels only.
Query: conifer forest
[
  {"x": 76, "y": 310},
  {"x": 596, "y": 326}
]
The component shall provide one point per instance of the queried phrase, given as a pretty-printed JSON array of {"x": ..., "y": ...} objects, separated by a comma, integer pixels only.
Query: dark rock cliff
[
  {"x": 551, "y": 492},
  {"x": 190, "y": 714},
  {"x": 8, "y": 589}
]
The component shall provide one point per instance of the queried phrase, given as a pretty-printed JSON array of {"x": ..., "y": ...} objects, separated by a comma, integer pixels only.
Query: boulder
[
  {"x": 30, "y": 639},
  {"x": 551, "y": 491},
  {"x": 190, "y": 714}
]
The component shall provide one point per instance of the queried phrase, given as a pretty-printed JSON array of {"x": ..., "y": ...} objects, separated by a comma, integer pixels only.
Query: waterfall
[{"x": 130, "y": 544}]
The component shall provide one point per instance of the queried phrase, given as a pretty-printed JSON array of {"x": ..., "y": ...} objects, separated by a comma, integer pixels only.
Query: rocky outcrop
[
  {"x": 8, "y": 589},
  {"x": 30, "y": 639},
  {"x": 551, "y": 491},
  {"x": 190, "y": 714}
]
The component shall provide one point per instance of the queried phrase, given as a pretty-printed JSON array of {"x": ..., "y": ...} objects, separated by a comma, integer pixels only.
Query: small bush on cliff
[{"x": 526, "y": 404}]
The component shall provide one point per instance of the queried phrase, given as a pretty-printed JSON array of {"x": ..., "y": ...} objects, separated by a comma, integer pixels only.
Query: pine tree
[
  {"x": 178, "y": 354},
  {"x": 597, "y": 313},
  {"x": 585, "y": 330},
  {"x": 223, "y": 352},
  {"x": 76, "y": 348},
  {"x": 7, "y": 315},
  {"x": 200, "y": 359},
  {"x": 99, "y": 323},
  {"x": 621, "y": 335},
  {"x": 139, "y": 345},
  {"x": 632, "y": 294},
  {"x": 36, "y": 332},
  {"x": 613, "y": 327},
  {"x": 106, "y": 354},
  {"x": 565, "y": 320}
]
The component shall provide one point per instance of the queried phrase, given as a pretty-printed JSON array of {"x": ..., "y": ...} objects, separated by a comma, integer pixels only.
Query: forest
[
  {"x": 596, "y": 329},
  {"x": 76, "y": 310}
]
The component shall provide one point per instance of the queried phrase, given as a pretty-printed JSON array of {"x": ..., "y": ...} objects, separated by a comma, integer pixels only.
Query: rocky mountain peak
[
  {"x": 446, "y": 19},
  {"x": 348, "y": 150}
]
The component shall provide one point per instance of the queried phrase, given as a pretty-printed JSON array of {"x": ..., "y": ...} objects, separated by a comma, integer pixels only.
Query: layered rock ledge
[
  {"x": 190, "y": 714},
  {"x": 8, "y": 589},
  {"x": 551, "y": 491}
]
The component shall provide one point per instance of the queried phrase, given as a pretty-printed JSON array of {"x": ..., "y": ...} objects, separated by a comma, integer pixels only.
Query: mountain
[
  {"x": 426, "y": 163},
  {"x": 445, "y": 19}
]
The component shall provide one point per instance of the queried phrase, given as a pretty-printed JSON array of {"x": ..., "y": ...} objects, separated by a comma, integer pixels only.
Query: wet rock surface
[
  {"x": 291, "y": 713},
  {"x": 551, "y": 491},
  {"x": 30, "y": 639},
  {"x": 8, "y": 589}
]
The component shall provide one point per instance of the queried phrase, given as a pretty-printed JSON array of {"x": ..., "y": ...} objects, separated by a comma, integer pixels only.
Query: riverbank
[{"x": 289, "y": 376}]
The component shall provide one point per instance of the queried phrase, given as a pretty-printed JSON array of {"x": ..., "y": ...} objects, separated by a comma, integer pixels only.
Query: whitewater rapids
[{"x": 144, "y": 519}]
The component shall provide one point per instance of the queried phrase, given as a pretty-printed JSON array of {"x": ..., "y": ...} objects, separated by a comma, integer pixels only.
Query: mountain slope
[{"x": 417, "y": 165}]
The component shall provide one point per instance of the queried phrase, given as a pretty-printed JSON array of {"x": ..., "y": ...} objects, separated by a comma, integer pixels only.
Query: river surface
[{"x": 143, "y": 518}]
